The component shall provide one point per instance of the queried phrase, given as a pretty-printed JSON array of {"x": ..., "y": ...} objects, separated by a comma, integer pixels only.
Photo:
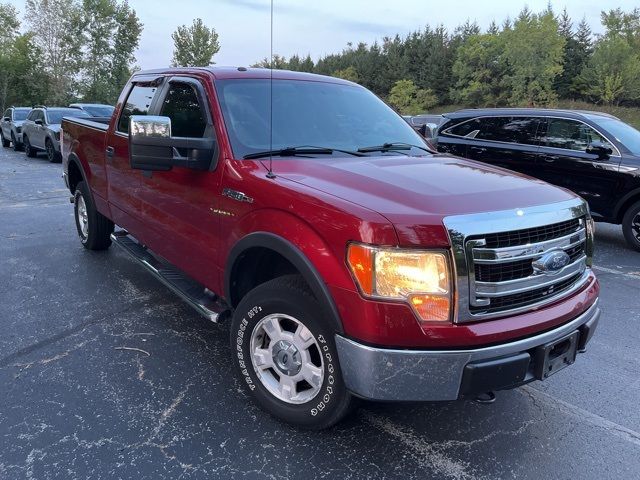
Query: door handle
[
  {"x": 478, "y": 149},
  {"x": 110, "y": 151},
  {"x": 551, "y": 158}
]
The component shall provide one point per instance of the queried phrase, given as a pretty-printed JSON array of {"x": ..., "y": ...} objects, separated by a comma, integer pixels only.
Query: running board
[{"x": 205, "y": 302}]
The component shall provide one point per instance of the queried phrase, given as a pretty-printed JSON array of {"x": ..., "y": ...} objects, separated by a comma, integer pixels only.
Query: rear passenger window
[
  {"x": 570, "y": 134},
  {"x": 137, "y": 103},
  {"x": 182, "y": 107},
  {"x": 499, "y": 129}
]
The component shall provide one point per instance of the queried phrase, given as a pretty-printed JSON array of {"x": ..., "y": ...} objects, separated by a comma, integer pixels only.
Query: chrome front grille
[{"x": 499, "y": 267}]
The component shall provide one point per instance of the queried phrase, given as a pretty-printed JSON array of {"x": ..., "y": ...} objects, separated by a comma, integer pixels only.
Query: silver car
[
  {"x": 95, "y": 109},
  {"x": 11, "y": 126},
  {"x": 41, "y": 130}
]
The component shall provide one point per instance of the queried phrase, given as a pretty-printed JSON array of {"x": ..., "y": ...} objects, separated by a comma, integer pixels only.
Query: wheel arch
[
  {"x": 75, "y": 172},
  {"x": 270, "y": 242},
  {"x": 624, "y": 203}
]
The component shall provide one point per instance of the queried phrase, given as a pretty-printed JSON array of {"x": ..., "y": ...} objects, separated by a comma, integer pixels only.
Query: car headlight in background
[
  {"x": 420, "y": 278},
  {"x": 57, "y": 135}
]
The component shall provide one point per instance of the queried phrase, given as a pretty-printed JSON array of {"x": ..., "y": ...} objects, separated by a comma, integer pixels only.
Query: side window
[
  {"x": 466, "y": 129},
  {"x": 570, "y": 134},
  {"x": 509, "y": 129},
  {"x": 187, "y": 116},
  {"x": 32, "y": 115},
  {"x": 137, "y": 103}
]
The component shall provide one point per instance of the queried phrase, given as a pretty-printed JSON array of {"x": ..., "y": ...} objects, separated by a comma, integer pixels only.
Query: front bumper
[{"x": 419, "y": 375}]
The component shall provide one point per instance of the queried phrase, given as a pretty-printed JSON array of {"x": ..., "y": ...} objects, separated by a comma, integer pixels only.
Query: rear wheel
[
  {"x": 631, "y": 226},
  {"x": 17, "y": 146},
  {"x": 94, "y": 229},
  {"x": 28, "y": 149},
  {"x": 5, "y": 142},
  {"x": 52, "y": 155},
  {"x": 285, "y": 354}
]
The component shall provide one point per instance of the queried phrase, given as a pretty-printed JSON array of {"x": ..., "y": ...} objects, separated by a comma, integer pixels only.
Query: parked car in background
[
  {"x": 11, "y": 126},
  {"x": 95, "y": 109},
  {"x": 594, "y": 154},
  {"x": 352, "y": 259},
  {"x": 426, "y": 124},
  {"x": 41, "y": 130}
]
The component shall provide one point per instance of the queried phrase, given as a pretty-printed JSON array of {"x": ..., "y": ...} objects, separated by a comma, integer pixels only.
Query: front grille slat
[
  {"x": 511, "y": 269},
  {"x": 532, "y": 235}
]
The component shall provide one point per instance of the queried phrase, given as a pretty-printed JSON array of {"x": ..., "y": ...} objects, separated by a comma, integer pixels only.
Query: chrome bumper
[{"x": 422, "y": 375}]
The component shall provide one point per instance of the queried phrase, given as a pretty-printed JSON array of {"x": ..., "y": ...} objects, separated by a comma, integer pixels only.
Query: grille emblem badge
[{"x": 551, "y": 263}]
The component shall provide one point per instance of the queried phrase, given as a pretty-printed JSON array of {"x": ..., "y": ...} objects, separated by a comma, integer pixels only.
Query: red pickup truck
[{"x": 351, "y": 259}]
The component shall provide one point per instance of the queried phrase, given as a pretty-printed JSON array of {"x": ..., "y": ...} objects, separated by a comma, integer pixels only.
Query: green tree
[
  {"x": 194, "y": 46},
  {"x": 53, "y": 27},
  {"x": 409, "y": 99},
  {"x": 534, "y": 53},
  {"x": 9, "y": 25},
  {"x": 349, "y": 73},
  {"x": 478, "y": 71}
]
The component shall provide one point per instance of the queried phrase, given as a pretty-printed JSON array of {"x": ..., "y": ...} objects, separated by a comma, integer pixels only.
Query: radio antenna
[{"x": 270, "y": 173}]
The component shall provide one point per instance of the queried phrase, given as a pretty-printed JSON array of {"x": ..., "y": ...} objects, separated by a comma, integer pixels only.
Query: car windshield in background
[
  {"x": 624, "y": 133},
  {"x": 98, "y": 110},
  {"x": 21, "y": 114},
  {"x": 309, "y": 113},
  {"x": 55, "y": 116}
]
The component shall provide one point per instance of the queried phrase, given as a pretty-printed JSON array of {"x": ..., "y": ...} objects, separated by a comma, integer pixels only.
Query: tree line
[
  {"x": 70, "y": 50},
  {"x": 533, "y": 60}
]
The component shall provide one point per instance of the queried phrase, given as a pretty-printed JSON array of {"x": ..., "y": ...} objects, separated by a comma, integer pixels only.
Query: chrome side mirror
[{"x": 149, "y": 126}]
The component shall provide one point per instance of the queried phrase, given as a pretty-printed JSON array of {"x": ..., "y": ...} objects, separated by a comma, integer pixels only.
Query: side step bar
[{"x": 205, "y": 302}]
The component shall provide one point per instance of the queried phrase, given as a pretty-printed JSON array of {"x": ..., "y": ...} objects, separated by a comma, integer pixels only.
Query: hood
[
  {"x": 54, "y": 127},
  {"x": 18, "y": 123},
  {"x": 420, "y": 191}
]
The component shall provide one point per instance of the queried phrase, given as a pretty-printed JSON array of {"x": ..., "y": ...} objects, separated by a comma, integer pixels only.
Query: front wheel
[
  {"x": 94, "y": 229},
  {"x": 17, "y": 146},
  {"x": 28, "y": 149},
  {"x": 52, "y": 155},
  {"x": 631, "y": 226},
  {"x": 5, "y": 143},
  {"x": 285, "y": 354}
]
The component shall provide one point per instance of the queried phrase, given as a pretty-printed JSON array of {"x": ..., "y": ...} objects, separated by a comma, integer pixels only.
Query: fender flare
[
  {"x": 618, "y": 209},
  {"x": 294, "y": 255},
  {"x": 73, "y": 158}
]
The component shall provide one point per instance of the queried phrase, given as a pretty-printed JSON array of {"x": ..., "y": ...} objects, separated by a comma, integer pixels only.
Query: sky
[{"x": 323, "y": 27}]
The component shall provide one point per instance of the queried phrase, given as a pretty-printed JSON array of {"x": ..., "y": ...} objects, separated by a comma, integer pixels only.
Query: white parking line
[
  {"x": 633, "y": 275},
  {"x": 583, "y": 415}
]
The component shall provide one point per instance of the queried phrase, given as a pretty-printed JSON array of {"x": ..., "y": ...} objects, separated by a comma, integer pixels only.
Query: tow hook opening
[{"x": 486, "y": 398}]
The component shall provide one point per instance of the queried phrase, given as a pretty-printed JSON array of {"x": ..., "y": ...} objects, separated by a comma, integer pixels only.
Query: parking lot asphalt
[{"x": 104, "y": 373}]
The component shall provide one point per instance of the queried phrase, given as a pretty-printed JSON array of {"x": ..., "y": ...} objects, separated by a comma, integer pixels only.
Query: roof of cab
[
  {"x": 547, "y": 112},
  {"x": 221, "y": 73}
]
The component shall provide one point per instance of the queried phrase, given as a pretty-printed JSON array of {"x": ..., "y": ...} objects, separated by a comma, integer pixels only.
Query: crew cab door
[
  {"x": 124, "y": 183},
  {"x": 564, "y": 161},
  {"x": 178, "y": 205}
]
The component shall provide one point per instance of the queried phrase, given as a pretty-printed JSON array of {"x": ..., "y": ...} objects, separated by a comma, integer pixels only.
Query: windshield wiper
[
  {"x": 302, "y": 150},
  {"x": 389, "y": 147}
]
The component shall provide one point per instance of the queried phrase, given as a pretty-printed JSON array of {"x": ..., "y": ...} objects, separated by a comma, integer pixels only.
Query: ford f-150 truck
[{"x": 351, "y": 260}]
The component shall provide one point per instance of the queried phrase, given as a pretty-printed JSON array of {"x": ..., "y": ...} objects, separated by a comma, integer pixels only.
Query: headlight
[
  {"x": 57, "y": 135},
  {"x": 420, "y": 278}
]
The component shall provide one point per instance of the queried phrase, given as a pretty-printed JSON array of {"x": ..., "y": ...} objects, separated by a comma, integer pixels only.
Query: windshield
[
  {"x": 20, "y": 114},
  {"x": 624, "y": 133},
  {"x": 98, "y": 110},
  {"x": 55, "y": 116},
  {"x": 308, "y": 113}
]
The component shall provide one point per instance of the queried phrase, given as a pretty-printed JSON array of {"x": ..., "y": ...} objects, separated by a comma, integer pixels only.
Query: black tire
[
  {"x": 28, "y": 149},
  {"x": 289, "y": 295},
  {"x": 17, "y": 146},
  {"x": 5, "y": 143},
  {"x": 98, "y": 227},
  {"x": 52, "y": 155},
  {"x": 631, "y": 226}
]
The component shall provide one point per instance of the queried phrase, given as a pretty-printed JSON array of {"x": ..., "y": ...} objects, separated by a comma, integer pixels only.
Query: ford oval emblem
[{"x": 551, "y": 262}]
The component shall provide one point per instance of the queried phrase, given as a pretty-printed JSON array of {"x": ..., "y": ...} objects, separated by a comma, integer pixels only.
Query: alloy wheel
[
  {"x": 83, "y": 217},
  {"x": 287, "y": 358}
]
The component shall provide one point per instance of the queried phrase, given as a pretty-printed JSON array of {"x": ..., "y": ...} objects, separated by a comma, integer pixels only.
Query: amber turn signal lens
[
  {"x": 360, "y": 260},
  {"x": 433, "y": 308}
]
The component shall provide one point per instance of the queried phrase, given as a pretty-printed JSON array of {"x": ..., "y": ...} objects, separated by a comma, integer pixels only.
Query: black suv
[{"x": 591, "y": 153}]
